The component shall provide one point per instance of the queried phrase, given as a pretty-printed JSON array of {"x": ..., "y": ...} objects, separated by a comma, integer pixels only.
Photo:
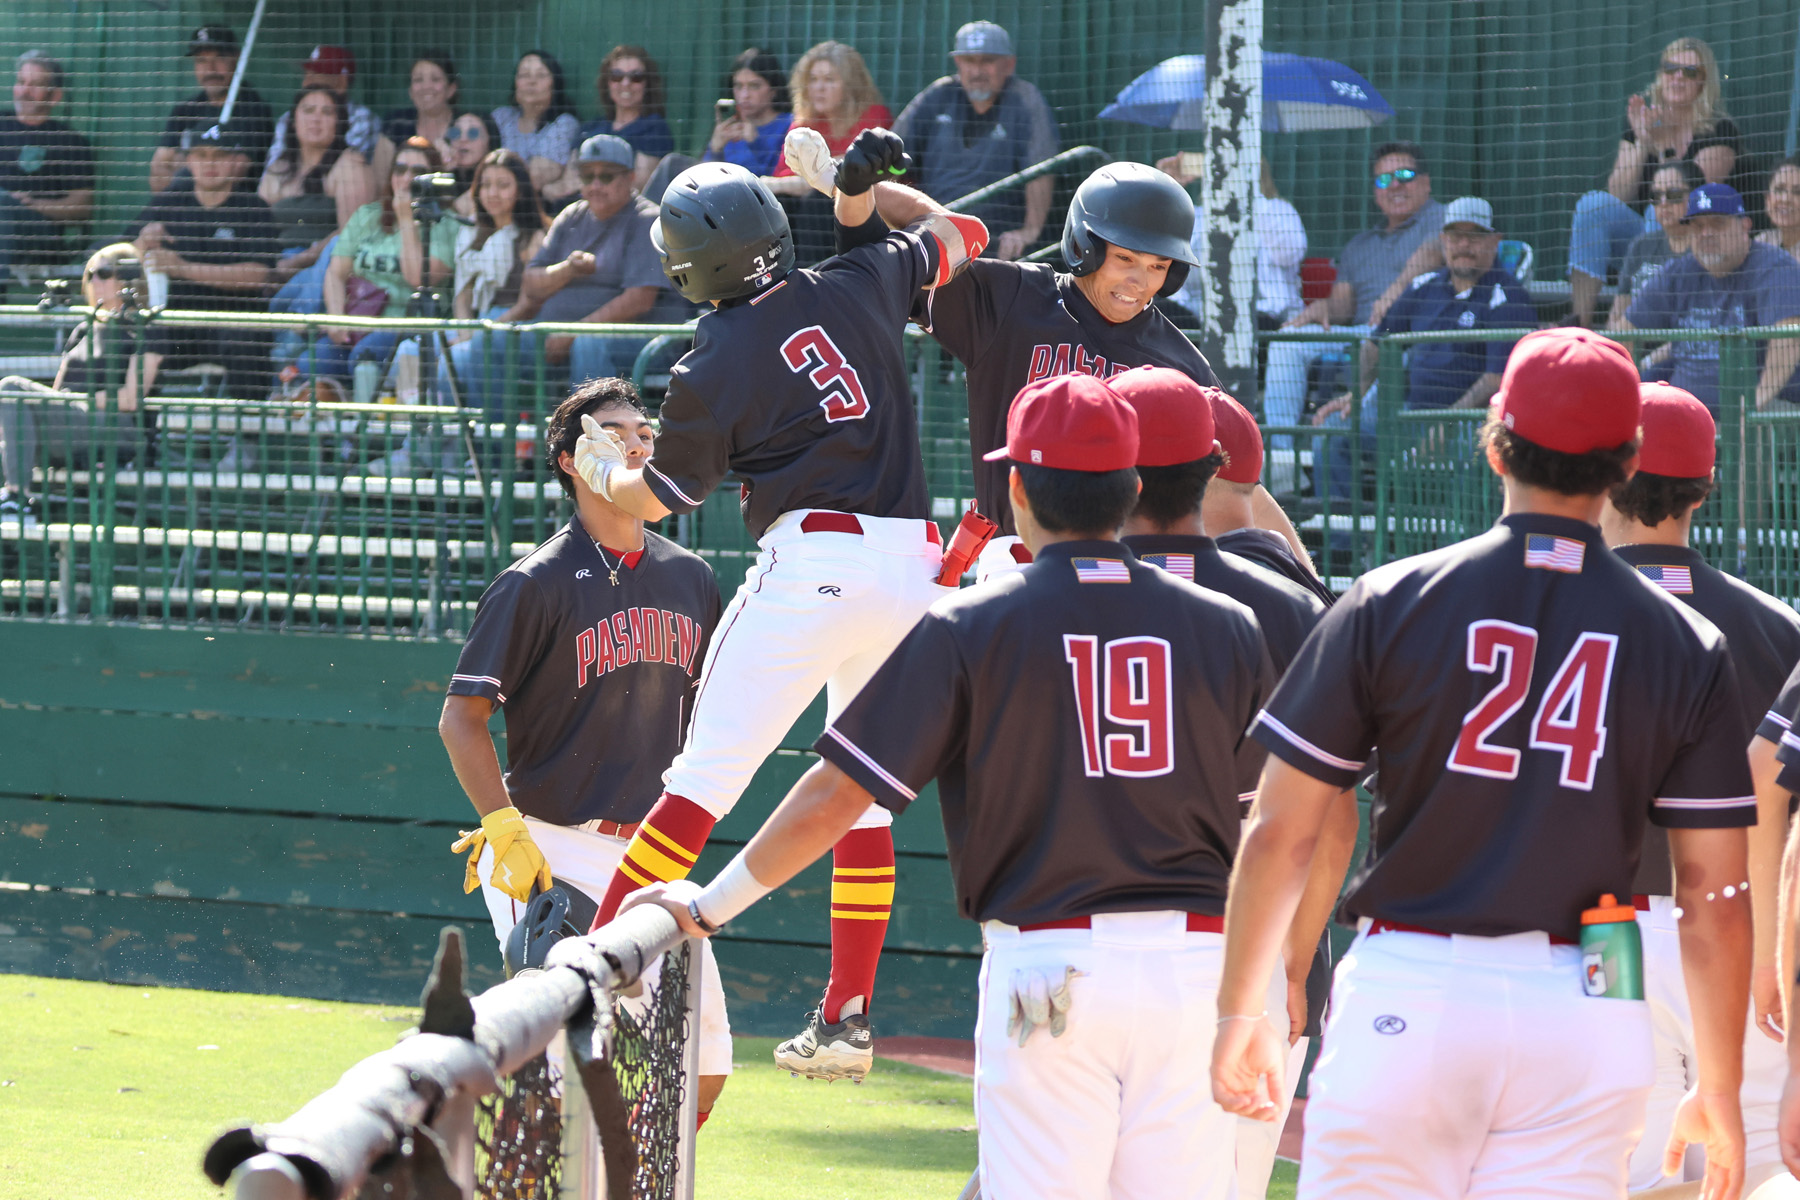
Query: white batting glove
[
  {"x": 1039, "y": 998},
  {"x": 808, "y": 157},
  {"x": 598, "y": 453}
]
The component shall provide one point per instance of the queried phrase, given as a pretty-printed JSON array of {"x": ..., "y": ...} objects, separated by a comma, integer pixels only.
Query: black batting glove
[{"x": 874, "y": 155}]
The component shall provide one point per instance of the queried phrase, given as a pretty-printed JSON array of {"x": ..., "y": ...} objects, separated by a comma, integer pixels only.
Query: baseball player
[
  {"x": 1533, "y": 701},
  {"x": 797, "y": 385},
  {"x": 1096, "y": 863},
  {"x": 1646, "y": 522},
  {"x": 591, "y": 646}
]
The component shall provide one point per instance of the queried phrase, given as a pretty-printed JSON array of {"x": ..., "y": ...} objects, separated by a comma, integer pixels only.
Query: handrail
[{"x": 1035, "y": 170}]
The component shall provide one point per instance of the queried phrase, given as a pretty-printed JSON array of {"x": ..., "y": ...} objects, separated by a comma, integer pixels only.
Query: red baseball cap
[
  {"x": 1678, "y": 433},
  {"x": 1238, "y": 436},
  {"x": 1570, "y": 390},
  {"x": 1072, "y": 423},
  {"x": 1175, "y": 419},
  {"x": 329, "y": 60}
]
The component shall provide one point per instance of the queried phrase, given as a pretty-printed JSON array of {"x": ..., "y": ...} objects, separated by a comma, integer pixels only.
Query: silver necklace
[{"x": 612, "y": 570}]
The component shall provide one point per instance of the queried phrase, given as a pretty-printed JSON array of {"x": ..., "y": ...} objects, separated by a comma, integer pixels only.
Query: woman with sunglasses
[
  {"x": 540, "y": 126},
  {"x": 1783, "y": 207},
  {"x": 1680, "y": 116},
  {"x": 472, "y": 136},
  {"x": 432, "y": 86},
  {"x": 631, "y": 97},
  {"x": 1669, "y": 188}
]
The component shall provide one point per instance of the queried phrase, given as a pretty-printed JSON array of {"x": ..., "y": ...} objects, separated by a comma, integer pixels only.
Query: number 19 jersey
[{"x": 1534, "y": 700}]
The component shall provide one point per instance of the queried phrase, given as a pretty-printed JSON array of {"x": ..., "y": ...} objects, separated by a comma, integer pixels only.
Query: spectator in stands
[
  {"x": 1784, "y": 207},
  {"x": 976, "y": 127},
  {"x": 432, "y": 86},
  {"x": 1280, "y": 245},
  {"x": 333, "y": 67},
  {"x": 467, "y": 143},
  {"x": 1680, "y": 116},
  {"x": 598, "y": 265},
  {"x": 1724, "y": 281},
  {"x": 750, "y": 133},
  {"x": 216, "y": 242},
  {"x": 1370, "y": 265},
  {"x": 315, "y": 184},
  {"x": 631, "y": 101},
  {"x": 836, "y": 96},
  {"x": 46, "y": 168},
  {"x": 214, "y": 51},
  {"x": 1669, "y": 190},
  {"x": 540, "y": 126},
  {"x": 54, "y": 433}
]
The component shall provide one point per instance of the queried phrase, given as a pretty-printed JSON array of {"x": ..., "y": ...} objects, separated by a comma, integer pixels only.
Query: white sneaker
[
  {"x": 845, "y": 1050},
  {"x": 399, "y": 463}
]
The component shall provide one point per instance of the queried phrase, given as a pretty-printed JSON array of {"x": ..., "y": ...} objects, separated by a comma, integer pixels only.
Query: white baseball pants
[
  {"x": 1473, "y": 1067},
  {"x": 997, "y": 558},
  {"x": 816, "y": 610},
  {"x": 588, "y": 860}
]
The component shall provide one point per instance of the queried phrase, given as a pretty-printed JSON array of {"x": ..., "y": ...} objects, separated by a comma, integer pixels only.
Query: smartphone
[{"x": 725, "y": 109}]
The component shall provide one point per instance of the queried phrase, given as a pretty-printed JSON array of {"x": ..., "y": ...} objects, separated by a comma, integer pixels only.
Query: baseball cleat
[{"x": 845, "y": 1050}]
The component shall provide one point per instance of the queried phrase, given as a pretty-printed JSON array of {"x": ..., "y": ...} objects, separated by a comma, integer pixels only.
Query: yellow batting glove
[{"x": 518, "y": 863}]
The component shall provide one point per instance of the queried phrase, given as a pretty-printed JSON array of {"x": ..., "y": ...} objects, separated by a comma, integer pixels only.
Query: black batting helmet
[
  {"x": 558, "y": 912},
  {"x": 1133, "y": 207},
  {"x": 721, "y": 233}
]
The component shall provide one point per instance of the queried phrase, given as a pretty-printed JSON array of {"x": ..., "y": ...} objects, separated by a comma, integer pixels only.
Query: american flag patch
[
  {"x": 1174, "y": 564},
  {"x": 1554, "y": 553},
  {"x": 1101, "y": 570},
  {"x": 1679, "y": 580}
]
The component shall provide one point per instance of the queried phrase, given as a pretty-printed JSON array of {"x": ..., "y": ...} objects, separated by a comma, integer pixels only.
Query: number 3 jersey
[
  {"x": 1534, "y": 700},
  {"x": 1086, "y": 721},
  {"x": 801, "y": 393}
]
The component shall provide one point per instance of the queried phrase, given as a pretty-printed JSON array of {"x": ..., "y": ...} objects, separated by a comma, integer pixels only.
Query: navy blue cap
[{"x": 1714, "y": 200}]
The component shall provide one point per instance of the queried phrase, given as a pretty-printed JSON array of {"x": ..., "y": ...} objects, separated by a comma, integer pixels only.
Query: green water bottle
[{"x": 1612, "y": 951}]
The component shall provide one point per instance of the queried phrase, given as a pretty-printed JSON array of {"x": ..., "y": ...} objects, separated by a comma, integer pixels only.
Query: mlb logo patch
[
  {"x": 1554, "y": 553},
  {"x": 1679, "y": 580},
  {"x": 1174, "y": 564},
  {"x": 1101, "y": 570}
]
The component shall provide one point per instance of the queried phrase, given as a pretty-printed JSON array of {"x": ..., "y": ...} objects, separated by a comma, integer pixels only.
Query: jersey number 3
[
  {"x": 812, "y": 353},
  {"x": 1136, "y": 676},
  {"x": 1570, "y": 719}
]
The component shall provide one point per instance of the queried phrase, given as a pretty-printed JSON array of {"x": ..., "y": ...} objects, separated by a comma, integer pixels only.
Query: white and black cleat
[{"x": 845, "y": 1050}]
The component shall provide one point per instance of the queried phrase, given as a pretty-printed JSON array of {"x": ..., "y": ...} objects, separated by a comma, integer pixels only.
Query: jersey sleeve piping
[
  {"x": 1336, "y": 768},
  {"x": 670, "y": 484},
  {"x": 1721, "y": 812},
  {"x": 833, "y": 738}
]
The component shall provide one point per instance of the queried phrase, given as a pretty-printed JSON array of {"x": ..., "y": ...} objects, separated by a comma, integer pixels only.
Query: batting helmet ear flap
[
  {"x": 1081, "y": 249},
  {"x": 1178, "y": 273}
]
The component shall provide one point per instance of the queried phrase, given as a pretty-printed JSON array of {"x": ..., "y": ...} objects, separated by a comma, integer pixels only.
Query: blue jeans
[
  {"x": 304, "y": 293},
  {"x": 1331, "y": 455},
  {"x": 326, "y": 357},
  {"x": 1284, "y": 386},
  {"x": 1603, "y": 229}
]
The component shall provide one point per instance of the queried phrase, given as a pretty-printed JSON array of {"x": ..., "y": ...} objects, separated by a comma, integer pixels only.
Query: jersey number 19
[
  {"x": 812, "y": 352},
  {"x": 1570, "y": 719},
  {"x": 1137, "y": 678}
]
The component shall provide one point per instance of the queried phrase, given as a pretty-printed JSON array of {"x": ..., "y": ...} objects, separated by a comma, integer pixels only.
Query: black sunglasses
[
  {"x": 1388, "y": 179},
  {"x": 604, "y": 178},
  {"x": 104, "y": 271},
  {"x": 1683, "y": 70},
  {"x": 627, "y": 76},
  {"x": 457, "y": 133},
  {"x": 1673, "y": 196}
]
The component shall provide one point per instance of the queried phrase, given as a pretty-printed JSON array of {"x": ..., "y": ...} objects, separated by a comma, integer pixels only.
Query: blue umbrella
[{"x": 1298, "y": 94}]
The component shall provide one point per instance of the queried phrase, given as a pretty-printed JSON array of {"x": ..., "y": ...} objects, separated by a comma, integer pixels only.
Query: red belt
[
  {"x": 1396, "y": 927},
  {"x": 836, "y": 522},
  {"x": 614, "y": 829},
  {"x": 1196, "y": 923}
]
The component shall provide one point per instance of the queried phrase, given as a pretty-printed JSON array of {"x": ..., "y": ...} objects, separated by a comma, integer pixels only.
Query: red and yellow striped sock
[
  {"x": 862, "y": 897},
  {"x": 665, "y": 847}
]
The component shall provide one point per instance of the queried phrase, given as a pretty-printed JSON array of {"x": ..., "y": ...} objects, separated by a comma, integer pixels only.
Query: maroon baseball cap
[
  {"x": 1678, "y": 433},
  {"x": 1072, "y": 423},
  {"x": 1238, "y": 437},
  {"x": 1570, "y": 390},
  {"x": 329, "y": 60},
  {"x": 1175, "y": 419}
]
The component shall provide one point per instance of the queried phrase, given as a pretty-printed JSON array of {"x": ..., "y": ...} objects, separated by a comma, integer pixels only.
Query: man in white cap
[{"x": 978, "y": 126}]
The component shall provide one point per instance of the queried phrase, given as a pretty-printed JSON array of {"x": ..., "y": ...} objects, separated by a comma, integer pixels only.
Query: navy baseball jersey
[
  {"x": 1778, "y": 726},
  {"x": 1269, "y": 550},
  {"x": 1286, "y": 612},
  {"x": 1085, "y": 719},
  {"x": 1762, "y": 636},
  {"x": 801, "y": 392},
  {"x": 595, "y": 678},
  {"x": 1534, "y": 701}
]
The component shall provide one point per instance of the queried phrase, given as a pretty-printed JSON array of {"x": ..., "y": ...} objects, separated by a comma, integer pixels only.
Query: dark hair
[
  {"x": 653, "y": 80},
  {"x": 766, "y": 65},
  {"x": 441, "y": 60},
  {"x": 1411, "y": 149},
  {"x": 1079, "y": 501},
  {"x": 559, "y": 86},
  {"x": 565, "y": 422},
  {"x": 527, "y": 213},
  {"x": 1590, "y": 474},
  {"x": 434, "y": 161},
  {"x": 1652, "y": 499},
  {"x": 493, "y": 139},
  {"x": 289, "y": 160},
  {"x": 45, "y": 61},
  {"x": 1173, "y": 493},
  {"x": 1691, "y": 174}
]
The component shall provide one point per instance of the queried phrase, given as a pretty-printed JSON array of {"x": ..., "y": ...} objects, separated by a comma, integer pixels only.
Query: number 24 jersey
[{"x": 1534, "y": 700}]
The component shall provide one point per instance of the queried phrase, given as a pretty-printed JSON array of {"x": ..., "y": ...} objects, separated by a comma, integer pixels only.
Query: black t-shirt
[
  {"x": 1286, "y": 612},
  {"x": 242, "y": 229},
  {"x": 194, "y": 116},
  {"x": 802, "y": 394},
  {"x": 1085, "y": 720},
  {"x": 1724, "y": 133},
  {"x": 595, "y": 680},
  {"x": 1761, "y": 634},
  {"x": 1534, "y": 701},
  {"x": 1778, "y": 726},
  {"x": 1269, "y": 550},
  {"x": 85, "y": 365},
  {"x": 43, "y": 160}
]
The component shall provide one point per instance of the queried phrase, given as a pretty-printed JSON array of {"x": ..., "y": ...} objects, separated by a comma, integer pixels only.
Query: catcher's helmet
[
  {"x": 1134, "y": 207},
  {"x": 721, "y": 233},
  {"x": 558, "y": 912}
]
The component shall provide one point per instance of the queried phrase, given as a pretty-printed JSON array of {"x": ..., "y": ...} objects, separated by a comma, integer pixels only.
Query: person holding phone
[{"x": 750, "y": 124}]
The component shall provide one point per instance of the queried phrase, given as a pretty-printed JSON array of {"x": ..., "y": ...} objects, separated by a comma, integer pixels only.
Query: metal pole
[
  {"x": 1228, "y": 185},
  {"x": 243, "y": 62}
]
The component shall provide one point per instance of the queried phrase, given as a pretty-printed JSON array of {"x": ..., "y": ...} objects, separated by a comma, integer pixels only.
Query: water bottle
[
  {"x": 1612, "y": 951},
  {"x": 156, "y": 288}
]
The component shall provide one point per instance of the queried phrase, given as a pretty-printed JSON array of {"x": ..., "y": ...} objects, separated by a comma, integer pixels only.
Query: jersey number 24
[
  {"x": 811, "y": 352},
  {"x": 1570, "y": 719},
  {"x": 1137, "y": 679}
]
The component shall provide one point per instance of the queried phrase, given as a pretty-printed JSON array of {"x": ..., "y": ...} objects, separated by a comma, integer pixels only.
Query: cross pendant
[{"x": 613, "y": 575}]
